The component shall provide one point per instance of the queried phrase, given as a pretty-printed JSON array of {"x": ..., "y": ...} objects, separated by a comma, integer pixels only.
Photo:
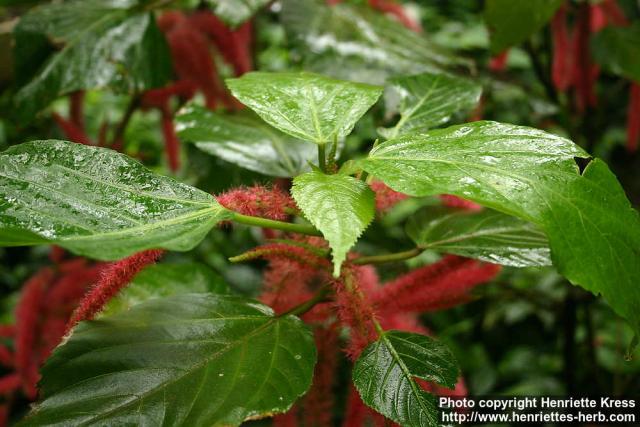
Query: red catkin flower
[
  {"x": 6, "y": 358},
  {"x": 355, "y": 310},
  {"x": 499, "y": 62},
  {"x": 633, "y": 118},
  {"x": 562, "y": 56},
  {"x": 436, "y": 286},
  {"x": 386, "y": 198},
  {"x": 397, "y": 11},
  {"x": 191, "y": 57},
  {"x": 451, "y": 201},
  {"x": 356, "y": 412},
  {"x": 27, "y": 317},
  {"x": 584, "y": 71},
  {"x": 114, "y": 277},
  {"x": 318, "y": 402},
  {"x": 9, "y": 383},
  {"x": 272, "y": 203},
  {"x": 286, "y": 420},
  {"x": 286, "y": 284},
  {"x": 71, "y": 130}
]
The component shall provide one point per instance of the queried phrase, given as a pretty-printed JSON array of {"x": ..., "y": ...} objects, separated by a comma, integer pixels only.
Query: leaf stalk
[{"x": 276, "y": 225}]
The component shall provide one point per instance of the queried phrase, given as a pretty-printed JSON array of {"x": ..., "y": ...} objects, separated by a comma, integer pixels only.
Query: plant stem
[
  {"x": 124, "y": 121},
  {"x": 277, "y": 225},
  {"x": 322, "y": 158},
  {"x": 379, "y": 259},
  {"x": 539, "y": 70},
  {"x": 320, "y": 296}
]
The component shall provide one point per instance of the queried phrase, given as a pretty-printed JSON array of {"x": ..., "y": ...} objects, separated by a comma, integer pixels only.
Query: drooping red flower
[
  {"x": 435, "y": 286},
  {"x": 561, "y": 72},
  {"x": 499, "y": 62},
  {"x": 398, "y": 12},
  {"x": 317, "y": 405},
  {"x": 233, "y": 45},
  {"x": 28, "y": 311},
  {"x": 114, "y": 278},
  {"x": 354, "y": 308},
  {"x": 585, "y": 72}
]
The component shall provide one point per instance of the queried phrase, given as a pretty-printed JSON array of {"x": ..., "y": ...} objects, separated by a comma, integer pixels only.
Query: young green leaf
[
  {"x": 185, "y": 360},
  {"x": 354, "y": 42},
  {"x": 513, "y": 22},
  {"x": 163, "y": 280},
  {"x": 427, "y": 100},
  {"x": 305, "y": 105},
  {"x": 104, "y": 43},
  {"x": 384, "y": 376},
  {"x": 618, "y": 50},
  {"x": 488, "y": 235},
  {"x": 244, "y": 140},
  {"x": 593, "y": 232},
  {"x": 234, "y": 12},
  {"x": 340, "y": 206},
  {"x": 97, "y": 202}
]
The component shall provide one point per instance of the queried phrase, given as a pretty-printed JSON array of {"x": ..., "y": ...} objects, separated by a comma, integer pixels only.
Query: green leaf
[
  {"x": 513, "y": 22},
  {"x": 305, "y": 105},
  {"x": 354, "y": 42},
  {"x": 340, "y": 206},
  {"x": 97, "y": 202},
  {"x": 427, "y": 100},
  {"x": 236, "y": 12},
  {"x": 186, "y": 360},
  {"x": 593, "y": 232},
  {"x": 618, "y": 50},
  {"x": 488, "y": 235},
  {"x": 245, "y": 141},
  {"x": 384, "y": 376},
  {"x": 102, "y": 43},
  {"x": 163, "y": 280}
]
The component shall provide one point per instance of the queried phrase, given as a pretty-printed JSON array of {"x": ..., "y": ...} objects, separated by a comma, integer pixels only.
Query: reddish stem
[{"x": 633, "y": 118}]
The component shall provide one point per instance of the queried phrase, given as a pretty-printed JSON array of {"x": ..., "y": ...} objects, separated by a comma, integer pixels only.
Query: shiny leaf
[
  {"x": 185, "y": 360},
  {"x": 235, "y": 12},
  {"x": 593, "y": 232},
  {"x": 427, "y": 100},
  {"x": 163, "y": 280},
  {"x": 357, "y": 43},
  {"x": 340, "y": 206},
  {"x": 305, "y": 105},
  {"x": 244, "y": 140},
  {"x": 384, "y": 376},
  {"x": 618, "y": 50},
  {"x": 97, "y": 202},
  {"x": 487, "y": 235},
  {"x": 102, "y": 43},
  {"x": 513, "y": 22}
]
